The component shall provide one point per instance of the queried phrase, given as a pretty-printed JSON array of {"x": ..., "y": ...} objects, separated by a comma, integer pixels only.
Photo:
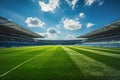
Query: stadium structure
[
  {"x": 60, "y": 42},
  {"x": 108, "y": 35},
  {"x": 12, "y": 34}
]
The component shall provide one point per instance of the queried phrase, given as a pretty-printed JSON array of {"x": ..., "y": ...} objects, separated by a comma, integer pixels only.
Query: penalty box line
[{"x": 2, "y": 75}]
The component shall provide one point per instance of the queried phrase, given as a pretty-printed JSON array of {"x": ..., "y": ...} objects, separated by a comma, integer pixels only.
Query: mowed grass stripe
[
  {"x": 60, "y": 67},
  {"x": 104, "y": 49},
  {"x": 9, "y": 62},
  {"x": 107, "y": 60},
  {"x": 31, "y": 68},
  {"x": 92, "y": 69},
  {"x": 99, "y": 52}
]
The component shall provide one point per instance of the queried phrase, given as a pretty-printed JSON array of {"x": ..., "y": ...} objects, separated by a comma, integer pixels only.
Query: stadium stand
[
  {"x": 12, "y": 34},
  {"x": 59, "y": 42},
  {"x": 108, "y": 35}
]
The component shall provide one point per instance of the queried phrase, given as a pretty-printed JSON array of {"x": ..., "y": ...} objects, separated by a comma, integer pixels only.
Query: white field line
[
  {"x": 100, "y": 52},
  {"x": 2, "y": 75},
  {"x": 19, "y": 65},
  {"x": 91, "y": 66}
]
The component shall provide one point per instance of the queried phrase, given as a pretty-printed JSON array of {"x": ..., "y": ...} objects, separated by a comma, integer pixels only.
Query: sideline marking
[{"x": 20, "y": 65}]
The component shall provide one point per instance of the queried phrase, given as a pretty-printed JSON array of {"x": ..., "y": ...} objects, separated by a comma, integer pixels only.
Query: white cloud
[
  {"x": 34, "y": 22},
  {"x": 88, "y": 25},
  {"x": 71, "y": 24},
  {"x": 50, "y": 36},
  {"x": 82, "y": 15},
  {"x": 52, "y": 33},
  {"x": 50, "y": 6},
  {"x": 72, "y": 3},
  {"x": 90, "y": 2}
]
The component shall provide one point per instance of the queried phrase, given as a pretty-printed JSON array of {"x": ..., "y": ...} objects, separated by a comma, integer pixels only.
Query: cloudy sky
[{"x": 61, "y": 19}]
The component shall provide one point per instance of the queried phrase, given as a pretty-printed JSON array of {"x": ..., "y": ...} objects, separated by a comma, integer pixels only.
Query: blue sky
[{"x": 61, "y": 19}]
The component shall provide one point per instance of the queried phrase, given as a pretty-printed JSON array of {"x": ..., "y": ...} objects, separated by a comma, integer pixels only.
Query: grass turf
[{"x": 59, "y": 63}]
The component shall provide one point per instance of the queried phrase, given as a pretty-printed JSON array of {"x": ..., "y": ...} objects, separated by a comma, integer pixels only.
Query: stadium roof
[
  {"x": 10, "y": 26},
  {"x": 114, "y": 27}
]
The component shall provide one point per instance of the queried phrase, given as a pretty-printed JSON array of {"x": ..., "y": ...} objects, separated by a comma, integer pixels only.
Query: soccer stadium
[{"x": 59, "y": 40}]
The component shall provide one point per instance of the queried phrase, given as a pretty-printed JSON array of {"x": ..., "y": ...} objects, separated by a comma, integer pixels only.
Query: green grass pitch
[{"x": 59, "y": 63}]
